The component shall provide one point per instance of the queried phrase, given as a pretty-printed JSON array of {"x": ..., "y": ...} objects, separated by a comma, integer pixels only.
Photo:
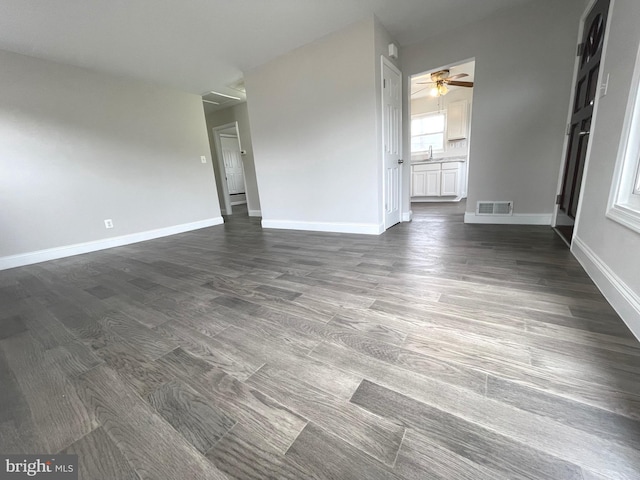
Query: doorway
[
  {"x": 229, "y": 152},
  {"x": 441, "y": 104},
  {"x": 586, "y": 92}
]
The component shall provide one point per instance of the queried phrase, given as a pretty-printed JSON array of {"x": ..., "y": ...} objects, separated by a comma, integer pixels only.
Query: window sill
[{"x": 625, "y": 215}]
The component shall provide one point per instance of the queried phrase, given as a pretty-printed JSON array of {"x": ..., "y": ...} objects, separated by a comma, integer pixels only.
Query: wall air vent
[
  {"x": 494, "y": 208},
  {"x": 217, "y": 98}
]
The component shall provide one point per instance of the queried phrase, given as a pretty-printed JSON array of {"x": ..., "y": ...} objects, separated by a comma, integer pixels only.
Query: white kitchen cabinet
[
  {"x": 425, "y": 180},
  {"x": 436, "y": 179},
  {"x": 433, "y": 186},
  {"x": 450, "y": 179},
  {"x": 419, "y": 184},
  {"x": 458, "y": 120}
]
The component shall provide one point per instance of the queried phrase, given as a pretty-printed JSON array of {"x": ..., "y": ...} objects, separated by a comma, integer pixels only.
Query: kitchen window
[
  {"x": 428, "y": 130},
  {"x": 624, "y": 199}
]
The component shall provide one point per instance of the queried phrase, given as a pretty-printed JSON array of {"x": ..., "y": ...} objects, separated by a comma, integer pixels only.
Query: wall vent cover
[
  {"x": 216, "y": 99},
  {"x": 494, "y": 208}
]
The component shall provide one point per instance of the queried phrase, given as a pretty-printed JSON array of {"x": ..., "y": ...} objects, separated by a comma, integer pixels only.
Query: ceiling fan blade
[
  {"x": 425, "y": 83},
  {"x": 418, "y": 91},
  {"x": 455, "y": 83},
  {"x": 460, "y": 75}
]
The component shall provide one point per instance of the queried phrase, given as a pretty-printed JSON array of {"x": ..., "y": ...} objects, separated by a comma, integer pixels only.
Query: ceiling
[
  {"x": 419, "y": 90},
  {"x": 201, "y": 45}
]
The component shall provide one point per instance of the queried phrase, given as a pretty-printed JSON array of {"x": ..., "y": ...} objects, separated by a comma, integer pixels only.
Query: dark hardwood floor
[{"x": 437, "y": 350}]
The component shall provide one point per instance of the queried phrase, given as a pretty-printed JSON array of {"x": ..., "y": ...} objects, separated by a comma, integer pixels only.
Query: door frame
[
  {"x": 223, "y": 172},
  {"x": 407, "y": 139},
  {"x": 384, "y": 61},
  {"x": 594, "y": 116}
]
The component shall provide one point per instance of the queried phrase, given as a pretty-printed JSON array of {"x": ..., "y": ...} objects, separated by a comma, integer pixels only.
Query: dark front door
[{"x": 586, "y": 91}]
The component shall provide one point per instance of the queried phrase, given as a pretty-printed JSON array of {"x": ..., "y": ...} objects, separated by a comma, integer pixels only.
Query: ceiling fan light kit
[
  {"x": 441, "y": 82},
  {"x": 439, "y": 90}
]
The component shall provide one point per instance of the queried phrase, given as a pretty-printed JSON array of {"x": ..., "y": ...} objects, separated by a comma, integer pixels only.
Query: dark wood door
[{"x": 586, "y": 90}]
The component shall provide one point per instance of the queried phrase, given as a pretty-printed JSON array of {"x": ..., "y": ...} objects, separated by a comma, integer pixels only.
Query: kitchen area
[{"x": 441, "y": 103}]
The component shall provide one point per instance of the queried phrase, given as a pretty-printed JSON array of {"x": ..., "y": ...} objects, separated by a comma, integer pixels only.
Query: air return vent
[
  {"x": 216, "y": 98},
  {"x": 494, "y": 208}
]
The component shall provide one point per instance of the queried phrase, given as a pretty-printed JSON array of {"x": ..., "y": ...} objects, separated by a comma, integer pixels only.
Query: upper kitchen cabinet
[{"x": 458, "y": 120}]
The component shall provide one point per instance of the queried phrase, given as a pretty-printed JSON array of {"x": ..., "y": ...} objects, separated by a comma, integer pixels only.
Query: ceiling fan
[{"x": 441, "y": 80}]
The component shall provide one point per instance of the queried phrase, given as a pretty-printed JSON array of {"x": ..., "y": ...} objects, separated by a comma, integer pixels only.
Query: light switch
[
  {"x": 203, "y": 159},
  {"x": 604, "y": 88}
]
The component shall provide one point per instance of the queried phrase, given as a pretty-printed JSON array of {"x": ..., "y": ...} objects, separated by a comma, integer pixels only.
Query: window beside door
[
  {"x": 636, "y": 190},
  {"x": 624, "y": 200},
  {"x": 428, "y": 130}
]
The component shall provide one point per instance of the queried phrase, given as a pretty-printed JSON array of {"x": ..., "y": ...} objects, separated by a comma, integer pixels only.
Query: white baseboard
[
  {"x": 255, "y": 213},
  {"x": 515, "y": 219},
  {"x": 362, "y": 228},
  {"x": 38, "y": 256},
  {"x": 436, "y": 199},
  {"x": 622, "y": 298},
  {"x": 407, "y": 216}
]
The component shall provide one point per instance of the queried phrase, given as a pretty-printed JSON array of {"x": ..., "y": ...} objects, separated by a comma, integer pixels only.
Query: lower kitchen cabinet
[{"x": 436, "y": 179}]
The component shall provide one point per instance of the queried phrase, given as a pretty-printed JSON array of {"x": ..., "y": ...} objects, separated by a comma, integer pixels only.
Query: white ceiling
[{"x": 202, "y": 45}]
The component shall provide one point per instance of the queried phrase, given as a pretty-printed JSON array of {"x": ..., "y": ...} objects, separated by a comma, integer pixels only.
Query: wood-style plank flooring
[{"x": 437, "y": 350}]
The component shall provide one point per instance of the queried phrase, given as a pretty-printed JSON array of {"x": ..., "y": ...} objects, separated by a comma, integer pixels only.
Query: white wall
[
  {"x": 524, "y": 65},
  {"x": 608, "y": 250},
  {"x": 77, "y": 147},
  {"x": 240, "y": 114},
  {"x": 314, "y": 121}
]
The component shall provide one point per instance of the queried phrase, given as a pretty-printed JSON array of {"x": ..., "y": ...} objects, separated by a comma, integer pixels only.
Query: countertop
[{"x": 459, "y": 158}]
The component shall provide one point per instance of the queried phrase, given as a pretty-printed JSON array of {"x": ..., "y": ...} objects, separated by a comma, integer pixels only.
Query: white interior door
[
  {"x": 232, "y": 164},
  {"x": 392, "y": 141}
]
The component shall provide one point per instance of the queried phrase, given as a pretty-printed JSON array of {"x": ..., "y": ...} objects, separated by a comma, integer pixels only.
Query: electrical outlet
[
  {"x": 108, "y": 223},
  {"x": 203, "y": 159}
]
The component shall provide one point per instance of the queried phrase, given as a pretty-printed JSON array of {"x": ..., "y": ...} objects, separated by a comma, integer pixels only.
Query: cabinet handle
[{"x": 400, "y": 161}]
